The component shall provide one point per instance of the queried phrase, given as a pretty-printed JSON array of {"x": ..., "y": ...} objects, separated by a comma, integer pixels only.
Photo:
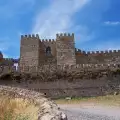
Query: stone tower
[
  {"x": 29, "y": 50},
  {"x": 1, "y": 56},
  {"x": 65, "y": 47}
]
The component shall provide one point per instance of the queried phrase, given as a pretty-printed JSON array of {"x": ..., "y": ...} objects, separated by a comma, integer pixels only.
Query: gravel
[{"x": 91, "y": 112}]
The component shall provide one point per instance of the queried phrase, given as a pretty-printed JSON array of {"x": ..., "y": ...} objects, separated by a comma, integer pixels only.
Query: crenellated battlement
[
  {"x": 36, "y": 51},
  {"x": 8, "y": 59},
  {"x": 11, "y": 59},
  {"x": 65, "y": 35},
  {"x": 78, "y": 51},
  {"x": 47, "y": 40},
  {"x": 30, "y": 36}
]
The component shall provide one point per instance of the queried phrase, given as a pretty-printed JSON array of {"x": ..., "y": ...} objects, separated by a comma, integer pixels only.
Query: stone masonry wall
[
  {"x": 97, "y": 57},
  {"x": 29, "y": 50},
  {"x": 49, "y": 43},
  {"x": 33, "y": 52},
  {"x": 77, "y": 88},
  {"x": 7, "y": 69},
  {"x": 64, "y": 88},
  {"x": 91, "y": 80},
  {"x": 65, "y": 49},
  {"x": 69, "y": 68},
  {"x": 54, "y": 67}
]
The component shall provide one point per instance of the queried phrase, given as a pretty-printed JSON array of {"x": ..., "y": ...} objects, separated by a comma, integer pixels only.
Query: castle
[
  {"x": 36, "y": 52},
  {"x": 38, "y": 56}
]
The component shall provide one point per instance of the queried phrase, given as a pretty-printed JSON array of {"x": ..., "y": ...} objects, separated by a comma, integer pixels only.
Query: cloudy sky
[{"x": 96, "y": 23}]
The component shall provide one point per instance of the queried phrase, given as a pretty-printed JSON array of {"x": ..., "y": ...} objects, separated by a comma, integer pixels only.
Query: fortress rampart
[
  {"x": 56, "y": 55},
  {"x": 65, "y": 35},
  {"x": 83, "y": 80},
  {"x": 38, "y": 54},
  {"x": 78, "y": 67},
  {"x": 54, "y": 68},
  {"x": 37, "y": 36},
  {"x": 78, "y": 51}
]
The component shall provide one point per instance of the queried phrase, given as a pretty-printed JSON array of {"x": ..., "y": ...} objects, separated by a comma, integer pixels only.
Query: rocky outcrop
[{"x": 48, "y": 109}]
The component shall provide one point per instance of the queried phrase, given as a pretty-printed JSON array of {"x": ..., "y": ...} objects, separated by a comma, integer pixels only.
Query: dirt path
[{"x": 91, "y": 112}]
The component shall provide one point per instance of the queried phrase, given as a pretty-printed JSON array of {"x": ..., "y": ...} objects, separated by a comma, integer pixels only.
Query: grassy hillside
[{"x": 17, "y": 109}]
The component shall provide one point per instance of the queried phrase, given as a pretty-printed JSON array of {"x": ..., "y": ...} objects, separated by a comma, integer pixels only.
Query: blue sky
[{"x": 96, "y": 23}]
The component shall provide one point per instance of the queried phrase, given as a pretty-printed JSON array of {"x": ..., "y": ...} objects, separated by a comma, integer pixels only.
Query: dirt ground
[{"x": 90, "y": 111}]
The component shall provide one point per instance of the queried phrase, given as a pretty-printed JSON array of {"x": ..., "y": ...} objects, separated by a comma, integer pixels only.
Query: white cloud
[
  {"x": 112, "y": 23},
  {"x": 4, "y": 46},
  {"x": 5, "y": 56},
  {"x": 57, "y": 17}
]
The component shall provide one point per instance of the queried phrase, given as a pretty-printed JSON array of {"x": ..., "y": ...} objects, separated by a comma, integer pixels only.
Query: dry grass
[
  {"x": 109, "y": 100},
  {"x": 17, "y": 109}
]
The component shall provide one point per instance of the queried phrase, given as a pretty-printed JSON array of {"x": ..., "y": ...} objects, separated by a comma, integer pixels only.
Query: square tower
[
  {"x": 65, "y": 48},
  {"x": 29, "y": 50}
]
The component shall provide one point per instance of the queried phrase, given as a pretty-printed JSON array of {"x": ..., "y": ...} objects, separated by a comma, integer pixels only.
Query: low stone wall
[
  {"x": 48, "y": 109},
  {"x": 69, "y": 68},
  {"x": 63, "y": 84},
  {"x": 54, "y": 67},
  {"x": 78, "y": 88}
]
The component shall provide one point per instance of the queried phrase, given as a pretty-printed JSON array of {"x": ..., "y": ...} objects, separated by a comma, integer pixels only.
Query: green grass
[{"x": 109, "y": 100}]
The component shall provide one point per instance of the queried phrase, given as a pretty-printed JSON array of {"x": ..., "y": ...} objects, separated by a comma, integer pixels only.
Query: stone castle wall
[
  {"x": 62, "y": 49},
  {"x": 7, "y": 69},
  {"x": 8, "y": 61},
  {"x": 77, "y": 68},
  {"x": 75, "y": 84},
  {"x": 54, "y": 67},
  {"x": 34, "y": 58},
  {"x": 29, "y": 50},
  {"x": 97, "y": 57},
  {"x": 65, "y": 87},
  {"x": 33, "y": 50},
  {"x": 65, "y": 49},
  {"x": 62, "y": 57}
]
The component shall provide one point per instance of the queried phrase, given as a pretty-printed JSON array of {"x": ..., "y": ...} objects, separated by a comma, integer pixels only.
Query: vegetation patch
[
  {"x": 109, "y": 100},
  {"x": 17, "y": 109}
]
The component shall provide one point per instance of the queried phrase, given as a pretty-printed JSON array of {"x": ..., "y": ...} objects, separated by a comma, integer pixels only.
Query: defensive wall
[
  {"x": 33, "y": 52},
  {"x": 77, "y": 88},
  {"x": 37, "y": 36},
  {"x": 65, "y": 86},
  {"x": 74, "y": 84},
  {"x": 78, "y": 67},
  {"x": 33, "y": 59},
  {"x": 78, "y": 51},
  {"x": 54, "y": 67}
]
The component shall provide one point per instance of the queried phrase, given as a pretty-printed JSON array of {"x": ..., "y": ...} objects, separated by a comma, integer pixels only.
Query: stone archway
[{"x": 48, "y": 51}]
